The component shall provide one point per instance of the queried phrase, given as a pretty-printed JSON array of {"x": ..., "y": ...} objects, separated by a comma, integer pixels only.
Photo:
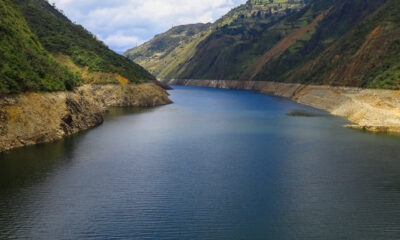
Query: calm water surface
[{"x": 217, "y": 164}]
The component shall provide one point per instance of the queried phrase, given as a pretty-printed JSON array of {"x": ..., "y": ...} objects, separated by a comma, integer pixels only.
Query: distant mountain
[
  {"x": 42, "y": 50},
  {"x": 336, "y": 42},
  {"x": 154, "y": 54},
  {"x": 217, "y": 50}
]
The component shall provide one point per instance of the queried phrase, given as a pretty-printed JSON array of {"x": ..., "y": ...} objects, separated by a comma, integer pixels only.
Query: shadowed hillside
[
  {"x": 336, "y": 42},
  {"x": 366, "y": 56},
  {"x": 225, "y": 48}
]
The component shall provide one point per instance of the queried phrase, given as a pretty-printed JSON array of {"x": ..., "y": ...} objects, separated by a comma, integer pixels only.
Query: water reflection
[{"x": 217, "y": 164}]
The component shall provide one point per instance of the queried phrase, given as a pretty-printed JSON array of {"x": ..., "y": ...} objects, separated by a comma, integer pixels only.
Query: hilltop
[
  {"x": 223, "y": 48},
  {"x": 155, "y": 54},
  {"x": 334, "y": 42},
  {"x": 42, "y": 50}
]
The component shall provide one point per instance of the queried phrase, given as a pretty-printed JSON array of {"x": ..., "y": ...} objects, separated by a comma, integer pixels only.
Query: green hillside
[
  {"x": 225, "y": 48},
  {"x": 335, "y": 42},
  {"x": 41, "y": 50},
  {"x": 240, "y": 37},
  {"x": 24, "y": 63},
  {"x": 345, "y": 19},
  {"x": 154, "y": 54},
  {"x": 59, "y": 35},
  {"x": 366, "y": 56}
]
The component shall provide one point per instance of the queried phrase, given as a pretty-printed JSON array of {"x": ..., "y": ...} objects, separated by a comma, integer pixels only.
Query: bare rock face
[{"x": 33, "y": 118}]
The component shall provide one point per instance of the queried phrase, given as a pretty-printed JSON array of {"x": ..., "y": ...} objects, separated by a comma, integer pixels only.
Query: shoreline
[
  {"x": 31, "y": 118},
  {"x": 370, "y": 110}
]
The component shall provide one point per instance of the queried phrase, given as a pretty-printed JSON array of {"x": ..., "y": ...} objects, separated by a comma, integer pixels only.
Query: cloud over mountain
[{"x": 124, "y": 23}]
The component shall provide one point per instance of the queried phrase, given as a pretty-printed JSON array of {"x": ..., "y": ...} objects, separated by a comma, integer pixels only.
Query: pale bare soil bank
[
  {"x": 368, "y": 109},
  {"x": 32, "y": 118}
]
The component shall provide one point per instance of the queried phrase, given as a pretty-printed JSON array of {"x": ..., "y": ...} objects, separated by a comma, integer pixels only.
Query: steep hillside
[
  {"x": 227, "y": 46},
  {"x": 24, "y": 63},
  {"x": 42, "y": 51},
  {"x": 76, "y": 48},
  {"x": 367, "y": 56},
  {"x": 345, "y": 19},
  {"x": 239, "y": 39},
  {"x": 153, "y": 54},
  {"x": 335, "y": 42}
]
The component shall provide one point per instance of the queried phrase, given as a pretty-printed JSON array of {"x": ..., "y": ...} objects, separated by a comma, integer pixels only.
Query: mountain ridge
[
  {"x": 42, "y": 50},
  {"x": 289, "y": 46},
  {"x": 226, "y": 32}
]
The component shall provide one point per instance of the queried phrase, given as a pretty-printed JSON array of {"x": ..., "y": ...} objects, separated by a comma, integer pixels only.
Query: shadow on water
[
  {"x": 304, "y": 113},
  {"x": 217, "y": 164},
  {"x": 23, "y": 171},
  {"x": 33, "y": 163}
]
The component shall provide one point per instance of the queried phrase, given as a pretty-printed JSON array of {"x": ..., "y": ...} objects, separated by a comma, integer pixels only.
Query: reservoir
[{"x": 216, "y": 164}]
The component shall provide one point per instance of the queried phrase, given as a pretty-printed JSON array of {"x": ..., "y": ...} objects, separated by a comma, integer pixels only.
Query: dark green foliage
[
  {"x": 57, "y": 34},
  {"x": 367, "y": 55},
  {"x": 343, "y": 16},
  {"x": 335, "y": 42},
  {"x": 357, "y": 43},
  {"x": 239, "y": 38},
  {"x": 24, "y": 64}
]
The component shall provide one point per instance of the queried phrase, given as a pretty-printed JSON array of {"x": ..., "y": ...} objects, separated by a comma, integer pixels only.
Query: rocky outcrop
[
  {"x": 368, "y": 109},
  {"x": 32, "y": 118}
]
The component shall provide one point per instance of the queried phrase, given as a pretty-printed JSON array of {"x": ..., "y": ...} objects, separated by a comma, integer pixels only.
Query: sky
[{"x": 123, "y": 24}]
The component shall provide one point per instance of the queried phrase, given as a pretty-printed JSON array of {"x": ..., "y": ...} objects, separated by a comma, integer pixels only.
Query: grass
[
  {"x": 25, "y": 65},
  {"x": 58, "y": 35}
]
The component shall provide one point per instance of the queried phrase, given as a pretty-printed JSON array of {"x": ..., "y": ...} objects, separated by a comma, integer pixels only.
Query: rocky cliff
[
  {"x": 368, "y": 109},
  {"x": 32, "y": 118}
]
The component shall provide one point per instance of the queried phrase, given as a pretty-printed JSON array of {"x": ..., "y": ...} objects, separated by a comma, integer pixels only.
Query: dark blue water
[{"x": 217, "y": 164}]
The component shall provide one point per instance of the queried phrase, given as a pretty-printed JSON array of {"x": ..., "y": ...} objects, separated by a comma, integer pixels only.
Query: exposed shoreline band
[{"x": 368, "y": 109}]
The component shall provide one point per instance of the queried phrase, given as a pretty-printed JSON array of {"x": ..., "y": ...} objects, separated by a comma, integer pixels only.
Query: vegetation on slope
[
  {"x": 335, "y": 42},
  {"x": 59, "y": 35},
  {"x": 239, "y": 38},
  {"x": 24, "y": 64},
  {"x": 343, "y": 16},
  {"x": 154, "y": 54},
  {"x": 41, "y": 50},
  {"x": 366, "y": 56},
  {"x": 226, "y": 47}
]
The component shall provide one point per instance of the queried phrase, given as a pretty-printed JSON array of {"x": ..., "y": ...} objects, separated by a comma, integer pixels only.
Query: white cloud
[
  {"x": 122, "y": 41},
  {"x": 123, "y": 23}
]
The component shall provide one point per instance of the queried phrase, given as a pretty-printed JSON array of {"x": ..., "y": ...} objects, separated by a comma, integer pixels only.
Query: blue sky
[{"x": 122, "y": 24}]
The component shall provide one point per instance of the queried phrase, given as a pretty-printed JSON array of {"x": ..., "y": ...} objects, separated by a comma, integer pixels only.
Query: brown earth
[
  {"x": 368, "y": 109},
  {"x": 280, "y": 48},
  {"x": 32, "y": 118}
]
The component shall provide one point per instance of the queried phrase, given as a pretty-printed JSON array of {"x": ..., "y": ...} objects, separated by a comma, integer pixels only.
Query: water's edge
[
  {"x": 369, "y": 109},
  {"x": 32, "y": 118}
]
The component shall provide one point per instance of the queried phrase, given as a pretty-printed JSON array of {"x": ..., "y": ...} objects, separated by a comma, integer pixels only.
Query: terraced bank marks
[
  {"x": 367, "y": 109},
  {"x": 32, "y": 118}
]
